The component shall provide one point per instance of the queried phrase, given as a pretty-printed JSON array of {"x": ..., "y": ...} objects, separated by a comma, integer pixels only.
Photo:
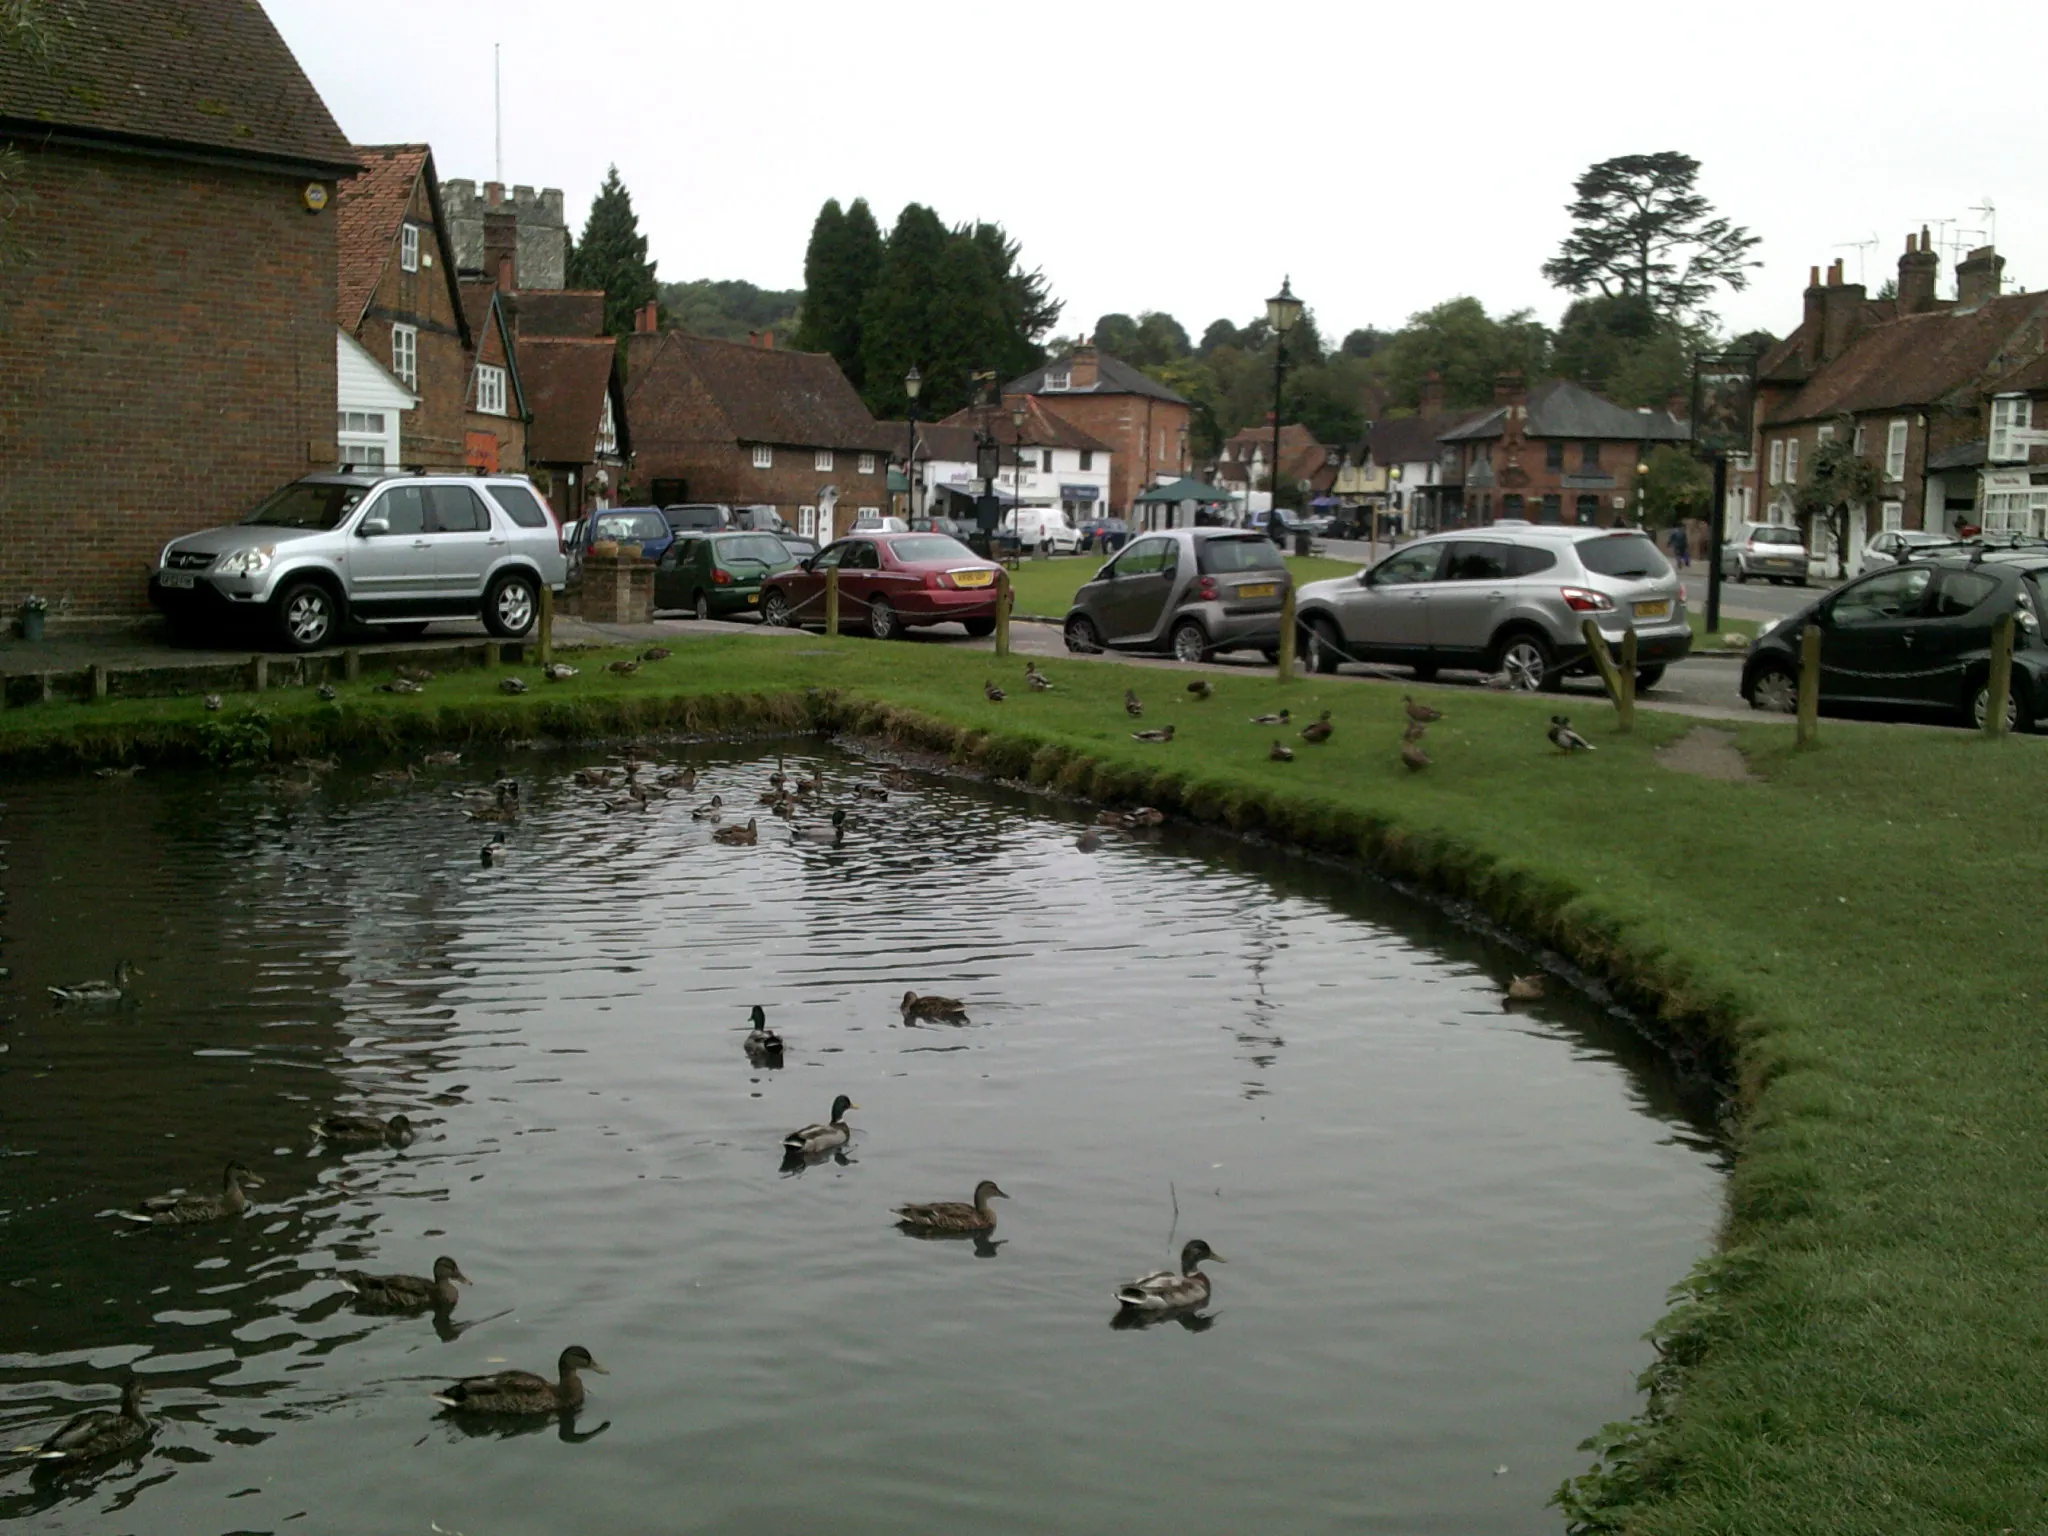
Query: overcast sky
[{"x": 1185, "y": 157}]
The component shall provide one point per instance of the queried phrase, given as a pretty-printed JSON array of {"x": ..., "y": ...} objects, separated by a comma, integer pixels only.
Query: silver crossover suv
[
  {"x": 390, "y": 551},
  {"x": 1507, "y": 597},
  {"x": 1191, "y": 591}
]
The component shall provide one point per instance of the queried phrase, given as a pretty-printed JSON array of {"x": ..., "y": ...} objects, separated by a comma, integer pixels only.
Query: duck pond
[{"x": 1444, "y": 1225}]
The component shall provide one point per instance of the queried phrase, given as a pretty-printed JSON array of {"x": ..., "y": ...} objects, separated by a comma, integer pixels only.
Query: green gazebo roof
[{"x": 1185, "y": 490}]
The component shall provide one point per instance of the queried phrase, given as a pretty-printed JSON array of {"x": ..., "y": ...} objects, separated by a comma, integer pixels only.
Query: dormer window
[
  {"x": 409, "y": 247},
  {"x": 1059, "y": 378}
]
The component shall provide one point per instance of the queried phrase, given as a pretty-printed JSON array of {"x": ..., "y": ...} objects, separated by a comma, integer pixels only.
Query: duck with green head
[
  {"x": 835, "y": 833},
  {"x": 98, "y": 991},
  {"x": 522, "y": 1391},
  {"x": 364, "y": 1131},
  {"x": 1165, "y": 1291},
  {"x": 828, "y": 1136},
  {"x": 762, "y": 1043}
]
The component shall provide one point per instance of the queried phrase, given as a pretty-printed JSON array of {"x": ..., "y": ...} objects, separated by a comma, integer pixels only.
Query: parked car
[
  {"x": 800, "y": 547},
  {"x": 1290, "y": 522},
  {"x": 1915, "y": 636},
  {"x": 1769, "y": 550},
  {"x": 393, "y": 552},
  {"x": 1029, "y": 527},
  {"x": 951, "y": 527},
  {"x": 889, "y": 582},
  {"x": 1105, "y": 534},
  {"x": 1508, "y": 598},
  {"x": 644, "y": 526},
  {"x": 760, "y": 519},
  {"x": 1191, "y": 591},
  {"x": 876, "y": 522},
  {"x": 1895, "y": 546},
  {"x": 716, "y": 574},
  {"x": 698, "y": 516}
]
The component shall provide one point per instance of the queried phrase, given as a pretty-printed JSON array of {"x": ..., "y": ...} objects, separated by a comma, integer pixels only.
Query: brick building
[
  {"x": 732, "y": 422},
  {"x": 1302, "y": 457},
  {"x": 1045, "y": 462},
  {"x": 167, "y": 345},
  {"x": 578, "y": 444},
  {"x": 396, "y": 294},
  {"x": 1557, "y": 453},
  {"x": 1913, "y": 380},
  {"x": 1142, "y": 422},
  {"x": 496, "y": 413}
]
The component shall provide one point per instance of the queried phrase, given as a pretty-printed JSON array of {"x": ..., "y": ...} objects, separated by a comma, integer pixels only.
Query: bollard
[
  {"x": 97, "y": 673},
  {"x": 831, "y": 599},
  {"x": 1809, "y": 687},
  {"x": 2000, "y": 682},
  {"x": 1284, "y": 667},
  {"x": 493, "y": 654},
  {"x": 1628, "y": 680},
  {"x": 351, "y": 665},
  {"x": 259, "y": 673},
  {"x": 1596, "y": 644},
  {"x": 1006, "y": 599},
  {"x": 547, "y": 625}
]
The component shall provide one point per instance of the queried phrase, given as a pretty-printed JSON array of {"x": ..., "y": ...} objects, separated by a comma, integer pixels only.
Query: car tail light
[
  {"x": 721, "y": 576},
  {"x": 1580, "y": 600},
  {"x": 936, "y": 579},
  {"x": 1205, "y": 590}
]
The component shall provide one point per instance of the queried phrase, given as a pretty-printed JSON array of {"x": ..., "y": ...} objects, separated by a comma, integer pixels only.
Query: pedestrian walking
[{"x": 1675, "y": 541}]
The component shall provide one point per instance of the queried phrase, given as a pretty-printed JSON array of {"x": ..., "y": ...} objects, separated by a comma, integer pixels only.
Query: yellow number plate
[
  {"x": 973, "y": 578},
  {"x": 753, "y": 597},
  {"x": 1660, "y": 610},
  {"x": 1264, "y": 589}
]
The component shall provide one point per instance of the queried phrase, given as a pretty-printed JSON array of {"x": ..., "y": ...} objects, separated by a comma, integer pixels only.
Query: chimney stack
[
  {"x": 1979, "y": 277},
  {"x": 1084, "y": 368},
  {"x": 1918, "y": 269},
  {"x": 647, "y": 319},
  {"x": 1432, "y": 401},
  {"x": 1507, "y": 387},
  {"x": 494, "y": 193},
  {"x": 501, "y": 247}
]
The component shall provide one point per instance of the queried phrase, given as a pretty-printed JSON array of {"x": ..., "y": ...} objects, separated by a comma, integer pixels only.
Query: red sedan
[{"x": 889, "y": 582}]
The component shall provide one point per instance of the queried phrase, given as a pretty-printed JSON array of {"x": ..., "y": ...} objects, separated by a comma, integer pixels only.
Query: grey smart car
[{"x": 1189, "y": 591}]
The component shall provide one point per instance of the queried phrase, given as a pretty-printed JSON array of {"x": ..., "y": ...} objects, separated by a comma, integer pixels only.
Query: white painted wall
[{"x": 367, "y": 397}]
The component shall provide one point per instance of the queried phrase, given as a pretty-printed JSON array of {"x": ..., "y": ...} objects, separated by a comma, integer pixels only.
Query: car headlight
[
  {"x": 245, "y": 562},
  {"x": 1766, "y": 628}
]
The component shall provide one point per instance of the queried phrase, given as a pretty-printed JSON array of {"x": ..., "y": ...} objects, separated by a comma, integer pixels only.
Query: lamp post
[
  {"x": 1283, "y": 310},
  {"x": 913, "y": 385},
  {"x": 1018, "y": 413},
  {"x": 1642, "y": 484}
]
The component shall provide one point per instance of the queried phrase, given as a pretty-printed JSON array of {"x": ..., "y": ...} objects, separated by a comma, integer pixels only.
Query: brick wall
[
  {"x": 1146, "y": 437},
  {"x": 1571, "y": 490},
  {"x": 166, "y": 360},
  {"x": 432, "y": 433},
  {"x": 725, "y": 472}
]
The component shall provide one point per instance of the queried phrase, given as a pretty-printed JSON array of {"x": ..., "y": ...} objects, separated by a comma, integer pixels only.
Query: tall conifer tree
[
  {"x": 840, "y": 267},
  {"x": 612, "y": 255},
  {"x": 896, "y": 320}
]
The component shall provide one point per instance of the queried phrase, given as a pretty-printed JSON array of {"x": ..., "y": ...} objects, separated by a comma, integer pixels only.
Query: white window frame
[
  {"x": 1059, "y": 378},
  {"x": 408, "y": 247},
  {"x": 1791, "y": 461},
  {"x": 607, "y": 430},
  {"x": 405, "y": 355},
  {"x": 1891, "y": 515},
  {"x": 807, "y": 522},
  {"x": 1777, "y": 461},
  {"x": 366, "y": 439},
  {"x": 764, "y": 456},
  {"x": 821, "y": 461},
  {"x": 490, "y": 389},
  {"x": 2009, "y": 414},
  {"x": 1895, "y": 449},
  {"x": 1861, "y": 445},
  {"x": 867, "y": 463},
  {"x": 1825, "y": 433}
]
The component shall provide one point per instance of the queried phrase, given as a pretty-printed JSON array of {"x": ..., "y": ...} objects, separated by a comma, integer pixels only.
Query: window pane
[
  {"x": 1247, "y": 554},
  {"x": 1962, "y": 591},
  {"x": 1409, "y": 566},
  {"x": 1895, "y": 594},
  {"x": 455, "y": 509},
  {"x": 404, "y": 508},
  {"x": 1472, "y": 561},
  {"x": 521, "y": 505},
  {"x": 1629, "y": 556}
]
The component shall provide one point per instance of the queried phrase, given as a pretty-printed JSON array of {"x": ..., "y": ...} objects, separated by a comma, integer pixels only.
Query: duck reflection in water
[
  {"x": 506, "y": 1427},
  {"x": 1194, "y": 1322},
  {"x": 796, "y": 1161},
  {"x": 984, "y": 1246}
]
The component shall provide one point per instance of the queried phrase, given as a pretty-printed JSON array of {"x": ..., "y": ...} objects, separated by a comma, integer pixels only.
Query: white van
[{"x": 1034, "y": 526}]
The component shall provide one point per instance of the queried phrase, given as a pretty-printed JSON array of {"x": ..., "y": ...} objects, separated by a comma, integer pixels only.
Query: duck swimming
[
  {"x": 810, "y": 1140},
  {"x": 933, "y": 1009},
  {"x": 365, "y": 1130},
  {"x": 522, "y": 1391},
  {"x": 762, "y": 1041},
  {"x": 188, "y": 1210},
  {"x": 99, "y": 991},
  {"x": 1164, "y": 1291},
  {"x": 405, "y": 1293},
  {"x": 835, "y": 833},
  {"x": 96, "y": 1433},
  {"x": 954, "y": 1215}
]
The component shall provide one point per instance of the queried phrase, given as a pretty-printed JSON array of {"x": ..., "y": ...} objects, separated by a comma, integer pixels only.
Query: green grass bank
[{"x": 1851, "y": 938}]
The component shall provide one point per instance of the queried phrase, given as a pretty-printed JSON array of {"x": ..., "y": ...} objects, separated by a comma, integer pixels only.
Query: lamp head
[
  {"x": 1018, "y": 414},
  {"x": 913, "y": 382},
  {"x": 1283, "y": 310}
]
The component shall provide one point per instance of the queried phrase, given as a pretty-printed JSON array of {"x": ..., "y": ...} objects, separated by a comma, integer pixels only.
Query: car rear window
[
  {"x": 1217, "y": 557},
  {"x": 699, "y": 518},
  {"x": 1629, "y": 556},
  {"x": 520, "y": 504},
  {"x": 753, "y": 549},
  {"x": 929, "y": 546},
  {"x": 1530, "y": 559},
  {"x": 302, "y": 505},
  {"x": 1775, "y": 536},
  {"x": 643, "y": 527}
]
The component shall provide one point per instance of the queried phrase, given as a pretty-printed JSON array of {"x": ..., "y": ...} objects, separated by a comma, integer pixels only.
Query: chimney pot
[
  {"x": 1813, "y": 277},
  {"x": 494, "y": 193},
  {"x": 1979, "y": 277},
  {"x": 1918, "y": 269}
]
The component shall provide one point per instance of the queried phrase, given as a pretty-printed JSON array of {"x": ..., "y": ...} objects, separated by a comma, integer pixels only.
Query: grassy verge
[
  {"x": 1854, "y": 934},
  {"x": 1701, "y": 635},
  {"x": 1048, "y": 586}
]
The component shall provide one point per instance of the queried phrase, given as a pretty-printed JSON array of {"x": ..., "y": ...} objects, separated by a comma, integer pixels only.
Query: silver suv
[
  {"x": 394, "y": 552},
  {"x": 1766, "y": 550},
  {"x": 1191, "y": 591},
  {"x": 1508, "y": 597}
]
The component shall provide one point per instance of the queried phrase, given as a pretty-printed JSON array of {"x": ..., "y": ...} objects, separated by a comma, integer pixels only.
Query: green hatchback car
[{"x": 715, "y": 575}]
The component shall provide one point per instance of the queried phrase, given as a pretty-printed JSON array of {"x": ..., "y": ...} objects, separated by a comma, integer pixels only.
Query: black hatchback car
[{"x": 1918, "y": 637}]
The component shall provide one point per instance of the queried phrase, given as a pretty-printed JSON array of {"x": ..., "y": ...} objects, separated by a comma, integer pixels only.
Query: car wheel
[
  {"x": 882, "y": 623},
  {"x": 511, "y": 606},
  {"x": 1190, "y": 642},
  {"x": 1525, "y": 658},
  {"x": 2018, "y": 716},
  {"x": 980, "y": 629},
  {"x": 1649, "y": 677},
  {"x": 1323, "y": 645},
  {"x": 1741, "y": 572},
  {"x": 1082, "y": 637},
  {"x": 1774, "y": 690},
  {"x": 701, "y": 607},
  {"x": 775, "y": 610},
  {"x": 1426, "y": 672},
  {"x": 307, "y": 616}
]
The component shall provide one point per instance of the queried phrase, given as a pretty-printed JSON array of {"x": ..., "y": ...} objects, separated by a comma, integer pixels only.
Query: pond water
[{"x": 1445, "y": 1225}]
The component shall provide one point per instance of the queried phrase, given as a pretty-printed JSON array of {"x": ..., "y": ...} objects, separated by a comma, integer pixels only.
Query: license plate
[
  {"x": 974, "y": 578},
  {"x": 1263, "y": 589},
  {"x": 1659, "y": 610},
  {"x": 176, "y": 578},
  {"x": 753, "y": 597}
]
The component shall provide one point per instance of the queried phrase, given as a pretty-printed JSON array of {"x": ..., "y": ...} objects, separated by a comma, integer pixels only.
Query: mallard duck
[
  {"x": 1036, "y": 680},
  {"x": 593, "y": 778},
  {"x": 512, "y": 685},
  {"x": 814, "y": 785},
  {"x": 1421, "y": 712},
  {"x": 1089, "y": 841},
  {"x": 188, "y": 1210},
  {"x": 317, "y": 766},
  {"x": 413, "y": 674},
  {"x": 522, "y": 1391},
  {"x": 810, "y": 1140},
  {"x": 95, "y": 1433},
  {"x": 212, "y": 703},
  {"x": 1142, "y": 816},
  {"x": 1414, "y": 757},
  {"x": 1318, "y": 730},
  {"x": 870, "y": 792},
  {"x": 1415, "y": 732},
  {"x": 1280, "y": 718},
  {"x": 406, "y": 1293},
  {"x": 559, "y": 671},
  {"x": 400, "y": 685},
  {"x": 1281, "y": 754},
  {"x": 1164, "y": 1291},
  {"x": 403, "y": 775},
  {"x": 1164, "y": 733},
  {"x": 710, "y": 810},
  {"x": 684, "y": 779},
  {"x": 328, "y": 693},
  {"x": 625, "y": 668},
  {"x": 1202, "y": 688},
  {"x": 762, "y": 1041},
  {"x": 118, "y": 773},
  {"x": 933, "y": 1008},
  {"x": 441, "y": 760},
  {"x": 656, "y": 653},
  {"x": 1564, "y": 738},
  {"x": 1523, "y": 989},
  {"x": 368, "y": 1130},
  {"x": 99, "y": 991},
  {"x": 835, "y": 833},
  {"x": 489, "y": 855},
  {"x": 1132, "y": 706},
  {"x": 954, "y": 1215},
  {"x": 738, "y": 837},
  {"x": 992, "y": 693}
]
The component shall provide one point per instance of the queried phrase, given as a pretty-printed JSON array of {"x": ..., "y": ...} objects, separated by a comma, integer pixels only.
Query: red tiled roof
[
  {"x": 1294, "y": 438},
  {"x": 201, "y": 74},
  {"x": 1947, "y": 355},
  {"x": 1043, "y": 427},
  {"x": 559, "y": 311},
  {"x": 369, "y": 206},
  {"x": 566, "y": 378},
  {"x": 766, "y": 394},
  {"x": 1413, "y": 439}
]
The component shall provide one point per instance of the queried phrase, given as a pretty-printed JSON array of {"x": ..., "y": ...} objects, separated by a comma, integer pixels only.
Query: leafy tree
[
  {"x": 1677, "y": 486},
  {"x": 1221, "y": 333},
  {"x": 1837, "y": 478},
  {"x": 1364, "y": 343},
  {"x": 1115, "y": 333},
  {"x": 612, "y": 255},
  {"x": 1642, "y": 228},
  {"x": 967, "y": 326},
  {"x": 1029, "y": 309},
  {"x": 840, "y": 266},
  {"x": 1467, "y": 347},
  {"x": 731, "y": 309},
  {"x": 1160, "y": 339}
]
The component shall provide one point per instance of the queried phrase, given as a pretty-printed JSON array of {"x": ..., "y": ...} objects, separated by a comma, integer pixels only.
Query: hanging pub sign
[
  {"x": 987, "y": 458},
  {"x": 1723, "y": 397}
]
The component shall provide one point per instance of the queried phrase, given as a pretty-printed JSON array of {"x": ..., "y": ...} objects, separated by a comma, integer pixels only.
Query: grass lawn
[
  {"x": 1047, "y": 587},
  {"x": 1729, "y": 626},
  {"x": 1867, "y": 1354}
]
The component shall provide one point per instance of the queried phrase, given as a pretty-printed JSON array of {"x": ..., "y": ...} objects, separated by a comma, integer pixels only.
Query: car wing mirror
[
  {"x": 803, "y": 565},
  {"x": 372, "y": 528}
]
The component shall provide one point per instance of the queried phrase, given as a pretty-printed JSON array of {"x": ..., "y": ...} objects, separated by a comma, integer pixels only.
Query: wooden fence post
[
  {"x": 1628, "y": 680},
  {"x": 1808, "y": 729},
  {"x": 547, "y": 624},
  {"x": 831, "y": 599},
  {"x": 97, "y": 672},
  {"x": 1006, "y": 599},
  {"x": 1285, "y": 670},
  {"x": 259, "y": 674},
  {"x": 1596, "y": 644},
  {"x": 351, "y": 665},
  {"x": 2000, "y": 682}
]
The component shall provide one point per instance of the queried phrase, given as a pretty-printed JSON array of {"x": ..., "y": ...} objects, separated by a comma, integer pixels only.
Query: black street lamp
[
  {"x": 1018, "y": 415},
  {"x": 913, "y": 385},
  {"x": 1283, "y": 310}
]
